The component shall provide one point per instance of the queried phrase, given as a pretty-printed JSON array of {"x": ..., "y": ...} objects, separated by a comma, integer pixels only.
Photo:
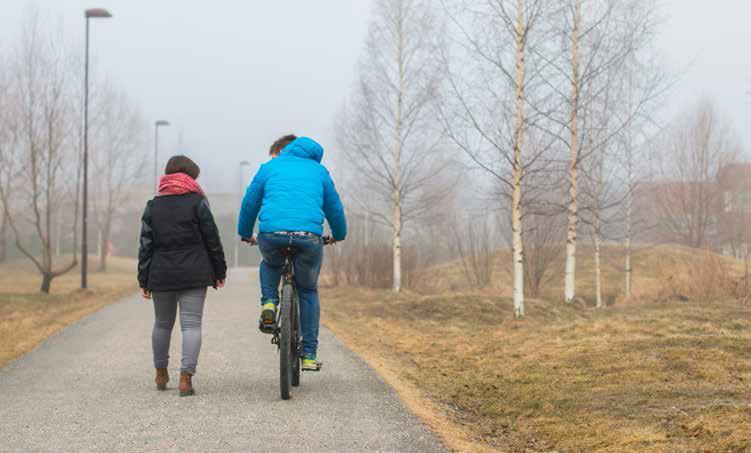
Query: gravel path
[{"x": 90, "y": 388}]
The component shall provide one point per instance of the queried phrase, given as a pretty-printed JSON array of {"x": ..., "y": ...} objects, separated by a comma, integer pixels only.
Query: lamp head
[{"x": 97, "y": 13}]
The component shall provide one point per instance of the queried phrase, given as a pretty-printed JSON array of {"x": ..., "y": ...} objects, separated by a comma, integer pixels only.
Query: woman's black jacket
[{"x": 180, "y": 245}]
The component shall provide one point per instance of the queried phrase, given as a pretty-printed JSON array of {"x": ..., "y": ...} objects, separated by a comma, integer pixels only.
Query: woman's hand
[
  {"x": 219, "y": 284},
  {"x": 145, "y": 293}
]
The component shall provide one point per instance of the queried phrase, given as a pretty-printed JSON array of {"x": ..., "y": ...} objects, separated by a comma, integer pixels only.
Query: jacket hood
[{"x": 306, "y": 148}]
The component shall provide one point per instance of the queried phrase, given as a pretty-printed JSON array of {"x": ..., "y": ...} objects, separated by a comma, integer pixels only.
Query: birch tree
[
  {"x": 493, "y": 80},
  {"x": 570, "y": 271},
  {"x": 598, "y": 36},
  {"x": 387, "y": 130}
]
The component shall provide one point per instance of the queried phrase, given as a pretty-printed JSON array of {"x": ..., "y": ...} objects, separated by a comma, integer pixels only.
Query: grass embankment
[
  {"x": 658, "y": 273},
  {"x": 28, "y": 317},
  {"x": 661, "y": 376}
]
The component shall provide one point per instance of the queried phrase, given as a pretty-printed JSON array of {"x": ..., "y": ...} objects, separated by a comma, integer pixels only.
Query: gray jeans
[{"x": 191, "y": 312}]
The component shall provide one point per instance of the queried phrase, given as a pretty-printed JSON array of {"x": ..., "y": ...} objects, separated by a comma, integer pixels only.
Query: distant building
[
  {"x": 734, "y": 213},
  {"x": 716, "y": 215}
]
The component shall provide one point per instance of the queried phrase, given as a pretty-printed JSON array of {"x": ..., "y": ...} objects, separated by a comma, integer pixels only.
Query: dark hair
[
  {"x": 182, "y": 164},
  {"x": 280, "y": 144}
]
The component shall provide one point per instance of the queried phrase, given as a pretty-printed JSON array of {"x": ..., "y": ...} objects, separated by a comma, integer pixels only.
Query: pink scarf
[{"x": 178, "y": 184}]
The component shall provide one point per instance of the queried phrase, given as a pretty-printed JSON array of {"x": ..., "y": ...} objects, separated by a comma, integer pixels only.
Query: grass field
[
  {"x": 651, "y": 376},
  {"x": 28, "y": 317}
]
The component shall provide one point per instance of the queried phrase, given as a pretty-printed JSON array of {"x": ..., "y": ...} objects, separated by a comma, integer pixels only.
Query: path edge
[{"x": 454, "y": 437}]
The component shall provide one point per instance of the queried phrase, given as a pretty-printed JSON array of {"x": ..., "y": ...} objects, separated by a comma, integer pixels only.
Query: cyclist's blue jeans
[{"x": 307, "y": 264}]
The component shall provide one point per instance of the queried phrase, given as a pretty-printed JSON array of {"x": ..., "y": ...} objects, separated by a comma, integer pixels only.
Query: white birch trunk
[
  {"x": 598, "y": 267},
  {"x": 629, "y": 190},
  {"x": 397, "y": 248},
  {"x": 629, "y": 218},
  {"x": 570, "y": 272},
  {"x": 516, "y": 208},
  {"x": 397, "y": 239}
]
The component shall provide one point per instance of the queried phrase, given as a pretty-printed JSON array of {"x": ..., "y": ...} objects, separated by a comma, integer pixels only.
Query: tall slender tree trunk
[
  {"x": 629, "y": 214},
  {"x": 397, "y": 239},
  {"x": 573, "y": 215},
  {"x": 516, "y": 202},
  {"x": 397, "y": 248},
  {"x": 629, "y": 189},
  {"x": 597, "y": 225},
  {"x": 598, "y": 266}
]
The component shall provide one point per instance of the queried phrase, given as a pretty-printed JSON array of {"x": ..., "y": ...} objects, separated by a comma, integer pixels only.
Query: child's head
[
  {"x": 280, "y": 144},
  {"x": 182, "y": 164}
]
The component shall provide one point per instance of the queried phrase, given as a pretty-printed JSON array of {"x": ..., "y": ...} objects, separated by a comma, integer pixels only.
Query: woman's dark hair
[
  {"x": 278, "y": 146},
  {"x": 182, "y": 164}
]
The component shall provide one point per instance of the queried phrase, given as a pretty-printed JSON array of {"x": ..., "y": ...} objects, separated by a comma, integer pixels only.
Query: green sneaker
[
  {"x": 267, "y": 323},
  {"x": 310, "y": 363}
]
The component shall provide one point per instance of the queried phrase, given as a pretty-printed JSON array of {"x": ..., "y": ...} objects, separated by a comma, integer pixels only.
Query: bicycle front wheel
[{"x": 286, "y": 341}]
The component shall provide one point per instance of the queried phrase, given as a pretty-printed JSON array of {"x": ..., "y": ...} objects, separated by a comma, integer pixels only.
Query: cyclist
[{"x": 291, "y": 194}]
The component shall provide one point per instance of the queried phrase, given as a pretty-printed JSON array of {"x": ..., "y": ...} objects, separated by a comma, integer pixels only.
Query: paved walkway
[{"x": 90, "y": 388}]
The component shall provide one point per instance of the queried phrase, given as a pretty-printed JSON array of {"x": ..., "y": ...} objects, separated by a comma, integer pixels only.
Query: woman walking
[{"x": 180, "y": 256}]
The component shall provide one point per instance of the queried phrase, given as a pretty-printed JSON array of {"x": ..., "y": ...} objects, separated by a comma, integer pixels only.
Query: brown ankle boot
[
  {"x": 186, "y": 386},
  {"x": 162, "y": 378}
]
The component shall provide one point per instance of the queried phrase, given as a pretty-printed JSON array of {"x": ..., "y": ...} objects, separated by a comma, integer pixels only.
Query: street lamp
[
  {"x": 243, "y": 163},
  {"x": 96, "y": 13},
  {"x": 157, "y": 125}
]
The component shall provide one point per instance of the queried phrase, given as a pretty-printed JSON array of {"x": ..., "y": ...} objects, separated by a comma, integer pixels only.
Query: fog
[
  {"x": 230, "y": 76},
  {"x": 233, "y": 75}
]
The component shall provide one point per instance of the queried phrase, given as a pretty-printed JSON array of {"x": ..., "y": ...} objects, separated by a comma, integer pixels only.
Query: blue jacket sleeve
[
  {"x": 333, "y": 209},
  {"x": 251, "y": 204}
]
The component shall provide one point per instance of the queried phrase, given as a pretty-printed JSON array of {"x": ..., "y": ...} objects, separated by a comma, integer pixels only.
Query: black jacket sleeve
[
  {"x": 211, "y": 239},
  {"x": 146, "y": 248}
]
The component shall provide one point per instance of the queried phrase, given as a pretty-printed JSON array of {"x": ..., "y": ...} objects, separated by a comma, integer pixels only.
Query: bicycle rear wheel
[
  {"x": 296, "y": 339},
  {"x": 286, "y": 341}
]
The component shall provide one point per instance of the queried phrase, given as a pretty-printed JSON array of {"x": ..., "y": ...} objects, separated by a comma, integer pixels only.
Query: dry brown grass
[
  {"x": 667, "y": 376},
  {"x": 659, "y": 272},
  {"x": 28, "y": 317}
]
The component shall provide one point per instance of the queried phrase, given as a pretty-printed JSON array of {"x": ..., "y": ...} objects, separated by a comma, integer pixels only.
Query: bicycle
[{"x": 287, "y": 335}]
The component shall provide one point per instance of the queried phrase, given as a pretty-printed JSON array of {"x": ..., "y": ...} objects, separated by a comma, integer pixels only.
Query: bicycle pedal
[{"x": 266, "y": 327}]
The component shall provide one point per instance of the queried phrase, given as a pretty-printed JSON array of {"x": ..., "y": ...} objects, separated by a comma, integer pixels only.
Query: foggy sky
[{"x": 233, "y": 75}]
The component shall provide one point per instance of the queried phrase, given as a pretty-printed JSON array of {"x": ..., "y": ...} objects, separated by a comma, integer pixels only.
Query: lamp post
[
  {"x": 157, "y": 125},
  {"x": 243, "y": 163},
  {"x": 97, "y": 13}
]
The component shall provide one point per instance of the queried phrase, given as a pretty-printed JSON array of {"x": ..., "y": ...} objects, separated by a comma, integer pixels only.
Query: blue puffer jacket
[{"x": 293, "y": 193}]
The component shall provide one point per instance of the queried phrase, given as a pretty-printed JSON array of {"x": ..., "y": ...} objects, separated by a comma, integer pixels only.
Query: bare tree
[
  {"x": 598, "y": 36},
  {"x": 492, "y": 110},
  {"x": 117, "y": 159},
  {"x": 695, "y": 148},
  {"x": 41, "y": 132},
  {"x": 475, "y": 245},
  {"x": 6, "y": 151},
  {"x": 387, "y": 129}
]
